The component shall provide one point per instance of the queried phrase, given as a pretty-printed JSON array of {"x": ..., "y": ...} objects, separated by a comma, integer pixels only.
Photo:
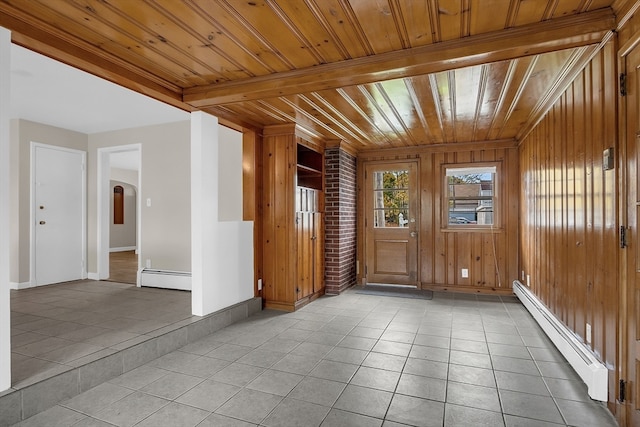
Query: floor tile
[
  {"x": 379, "y": 379},
  {"x": 318, "y": 390},
  {"x": 217, "y": 420},
  {"x": 424, "y": 387},
  {"x": 385, "y": 361},
  {"x": 456, "y": 416},
  {"x": 346, "y": 355},
  {"x": 512, "y": 364},
  {"x": 293, "y": 413},
  {"x": 339, "y": 418},
  {"x": 335, "y": 371},
  {"x": 139, "y": 377},
  {"x": 473, "y": 396},
  {"x": 472, "y": 375},
  {"x": 94, "y": 400},
  {"x": 175, "y": 415},
  {"x": 250, "y": 405},
  {"x": 426, "y": 368},
  {"x": 131, "y": 410},
  {"x": 56, "y": 416},
  {"x": 209, "y": 395},
  {"x": 457, "y": 357},
  {"x": 530, "y": 406},
  {"x": 275, "y": 382},
  {"x": 364, "y": 401},
  {"x": 171, "y": 385},
  {"x": 415, "y": 411},
  {"x": 584, "y": 414},
  {"x": 357, "y": 343},
  {"x": 520, "y": 382}
]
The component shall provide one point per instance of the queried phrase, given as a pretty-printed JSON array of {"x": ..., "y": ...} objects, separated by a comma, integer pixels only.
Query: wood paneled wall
[
  {"x": 490, "y": 256},
  {"x": 568, "y": 230}
]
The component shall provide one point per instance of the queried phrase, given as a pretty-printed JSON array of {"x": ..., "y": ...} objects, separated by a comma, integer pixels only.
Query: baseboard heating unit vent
[
  {"x": 592, "y": 371},
  {"x": 165, "y": 279}
]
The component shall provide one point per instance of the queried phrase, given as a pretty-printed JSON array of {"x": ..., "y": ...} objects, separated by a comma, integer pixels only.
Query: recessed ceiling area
[{"x": 47, "y": 91}]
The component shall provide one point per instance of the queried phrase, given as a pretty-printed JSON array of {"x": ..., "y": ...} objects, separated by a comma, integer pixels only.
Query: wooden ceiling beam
[{"x": 547, "y": 36}]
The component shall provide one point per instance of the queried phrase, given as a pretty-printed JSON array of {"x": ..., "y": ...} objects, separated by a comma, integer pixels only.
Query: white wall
[
  {"x": 222, "y": 261},
  {"x": 165, "y": 180},
  {"x": 24, "y": 132}
]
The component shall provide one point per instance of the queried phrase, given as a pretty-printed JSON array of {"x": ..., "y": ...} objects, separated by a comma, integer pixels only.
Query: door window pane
[{"x": 391, "y": 198}]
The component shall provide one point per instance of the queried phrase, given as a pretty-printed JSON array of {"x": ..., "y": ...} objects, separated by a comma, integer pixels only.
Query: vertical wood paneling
[
  {"x": 443, "y": 253},
  {"x": 568, "y": 208}
]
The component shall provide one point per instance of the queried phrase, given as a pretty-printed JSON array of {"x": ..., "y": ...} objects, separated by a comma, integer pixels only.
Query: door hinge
[
  {"x": 623, "y": 84},
  {"x": 623, "y": 390},
  {"x": 623, "y": 237}
]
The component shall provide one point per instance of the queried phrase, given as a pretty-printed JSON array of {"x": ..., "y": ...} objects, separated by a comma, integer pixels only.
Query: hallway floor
[
  {"x": 352, "y": 360},
  {"x": 69, "y": 324}
]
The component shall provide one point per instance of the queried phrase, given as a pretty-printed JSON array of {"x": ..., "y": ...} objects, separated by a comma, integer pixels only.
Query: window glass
[
  {"x": 391, "y": 198},
  {"x": 471, "y": 195}
]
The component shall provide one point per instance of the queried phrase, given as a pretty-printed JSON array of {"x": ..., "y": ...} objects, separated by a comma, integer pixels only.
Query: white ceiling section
[{"x": 53, "y": 93}]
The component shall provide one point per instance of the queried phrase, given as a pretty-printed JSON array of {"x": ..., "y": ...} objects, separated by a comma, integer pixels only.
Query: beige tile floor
[
  {"x": 66, "y": 325},
  {"x": 352, "y": 360}
]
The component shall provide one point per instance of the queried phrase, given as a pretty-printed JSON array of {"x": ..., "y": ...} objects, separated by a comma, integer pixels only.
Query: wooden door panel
[
  {"x": 391, "y": 224},
  {"x": 391, "y": 257}
]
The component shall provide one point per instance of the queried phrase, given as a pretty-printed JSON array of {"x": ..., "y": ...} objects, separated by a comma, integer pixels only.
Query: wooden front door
[
  {"x": 630, "y": 256},
  {"x": 391, "y": 223}
]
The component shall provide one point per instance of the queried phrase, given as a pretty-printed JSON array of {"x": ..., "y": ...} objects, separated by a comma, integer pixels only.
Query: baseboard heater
[
  {"x": 165, "y": 279},
  {"x": 591, "y": 370}
]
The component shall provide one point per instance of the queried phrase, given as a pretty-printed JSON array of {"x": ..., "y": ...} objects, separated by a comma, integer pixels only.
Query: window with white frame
[{"x": 470, "y": 195}]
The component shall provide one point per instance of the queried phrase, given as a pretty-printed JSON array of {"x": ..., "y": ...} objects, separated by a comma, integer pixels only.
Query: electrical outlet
[
  {"x": 465, "y": 273},
  {"x": 148, "y": 263},
  {"x": 259, "y": 284},
  {"x": 588, "y": 334}
]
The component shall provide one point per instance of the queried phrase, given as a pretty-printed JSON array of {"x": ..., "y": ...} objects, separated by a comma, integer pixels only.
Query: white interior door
[{"x": 58, "y": 203}]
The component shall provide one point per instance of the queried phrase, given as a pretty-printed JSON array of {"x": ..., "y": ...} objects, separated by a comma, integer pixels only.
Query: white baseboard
[
  {"x": 123, "y": 249},
  {"x": 23, "y": 285},
  {"x": 93, "y": 276},
  {"x": 165, "y": 279},
  {"x": 593, "y": 372}
]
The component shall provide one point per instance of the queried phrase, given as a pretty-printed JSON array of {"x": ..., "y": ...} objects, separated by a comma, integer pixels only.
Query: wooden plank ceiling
[{"x": 371, "y": 73}]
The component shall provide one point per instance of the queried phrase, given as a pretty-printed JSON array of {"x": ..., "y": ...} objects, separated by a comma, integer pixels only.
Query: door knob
[
  {"x": 413, "y": 234},
  {"x": 42, "y": 222}
]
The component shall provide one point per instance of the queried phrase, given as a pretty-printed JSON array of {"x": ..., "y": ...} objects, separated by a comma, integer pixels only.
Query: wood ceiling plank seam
[
  {"x": 417, "y": 105},
  {"x": 150, "y": 46},
  {"x": 451, "y": 82},
  {"x": 514, "y": 8},
  {"x": 434, "y": 19},
  {"x": 341, "y": 117},
  {"x": 584, "y": 5},
  {"x": 574, "y": 61},
  {"x": 363, "y": 114},
  {"x": 392, "y": 106},
  {"x": 335, "y": 39},
  {"x": 255, "y": 33},
  {"x": 624, "y": 10},
  {"x": 519, "y": 92},
  {"x": 265, "y": 107},
  {"x": 245, "y": 110},
  {"x": 312, "y": 118},
  {"x": 332, "y": 119},
  {"x": 465, "y": 19},
  {"x": 438, "y": 104},
  {"x": 504, "y": 90},
  {"x": 150, "y": 63},
  {"x": 32, "y": 31},
  {"x": 578, "y": 30},
  {"x": 400, "y": 23},
  {"x": 296, "y": 31},
  {"x": 552, "y": 96},
  {"x": 206, "y": 42},
  {"x": 484, "y": 78},
  {"x": 550, "y": 10},
  {"x": 355, "y": 23},
  {"x": 383, "y": 115}
]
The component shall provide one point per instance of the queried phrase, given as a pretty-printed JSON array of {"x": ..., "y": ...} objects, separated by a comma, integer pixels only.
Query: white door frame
[
  {"x": 103, "y": 194},
  {"x": 32, "y": 201}
]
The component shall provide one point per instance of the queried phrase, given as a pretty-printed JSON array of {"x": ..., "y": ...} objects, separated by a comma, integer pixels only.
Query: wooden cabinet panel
[{"x": 293, "y": 242}]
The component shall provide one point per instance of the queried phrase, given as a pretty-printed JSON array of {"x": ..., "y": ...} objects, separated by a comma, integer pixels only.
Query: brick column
[{"x": 340, "y": 220}]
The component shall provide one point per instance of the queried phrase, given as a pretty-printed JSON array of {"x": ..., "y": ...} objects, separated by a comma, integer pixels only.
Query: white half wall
[
  {"x": 5, "y": 241},
  {"x": 221, "y": 251}
]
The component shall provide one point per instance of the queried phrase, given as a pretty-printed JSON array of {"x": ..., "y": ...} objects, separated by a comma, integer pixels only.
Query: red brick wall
[{"x": 340, "y": 220}]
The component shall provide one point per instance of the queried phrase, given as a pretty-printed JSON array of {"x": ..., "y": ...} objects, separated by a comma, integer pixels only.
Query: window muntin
[
  {"x": 470, "y": 196},
  {"x": 390, "y": 198}
]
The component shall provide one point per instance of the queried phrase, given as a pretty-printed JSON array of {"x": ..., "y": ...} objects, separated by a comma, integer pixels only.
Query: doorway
[
  {"x": 58, "y": 214},
  {"x": 391, "y": 225},
  {"x": 119, "y": 169}
]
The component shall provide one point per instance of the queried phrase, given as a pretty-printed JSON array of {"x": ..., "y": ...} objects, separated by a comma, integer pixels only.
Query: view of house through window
[
  {"x": 391, "y": 198},
  {"x": 471, "y": 195}
]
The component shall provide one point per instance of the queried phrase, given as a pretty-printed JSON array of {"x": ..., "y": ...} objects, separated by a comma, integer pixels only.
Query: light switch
[{"x": 148, "y": 203}]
